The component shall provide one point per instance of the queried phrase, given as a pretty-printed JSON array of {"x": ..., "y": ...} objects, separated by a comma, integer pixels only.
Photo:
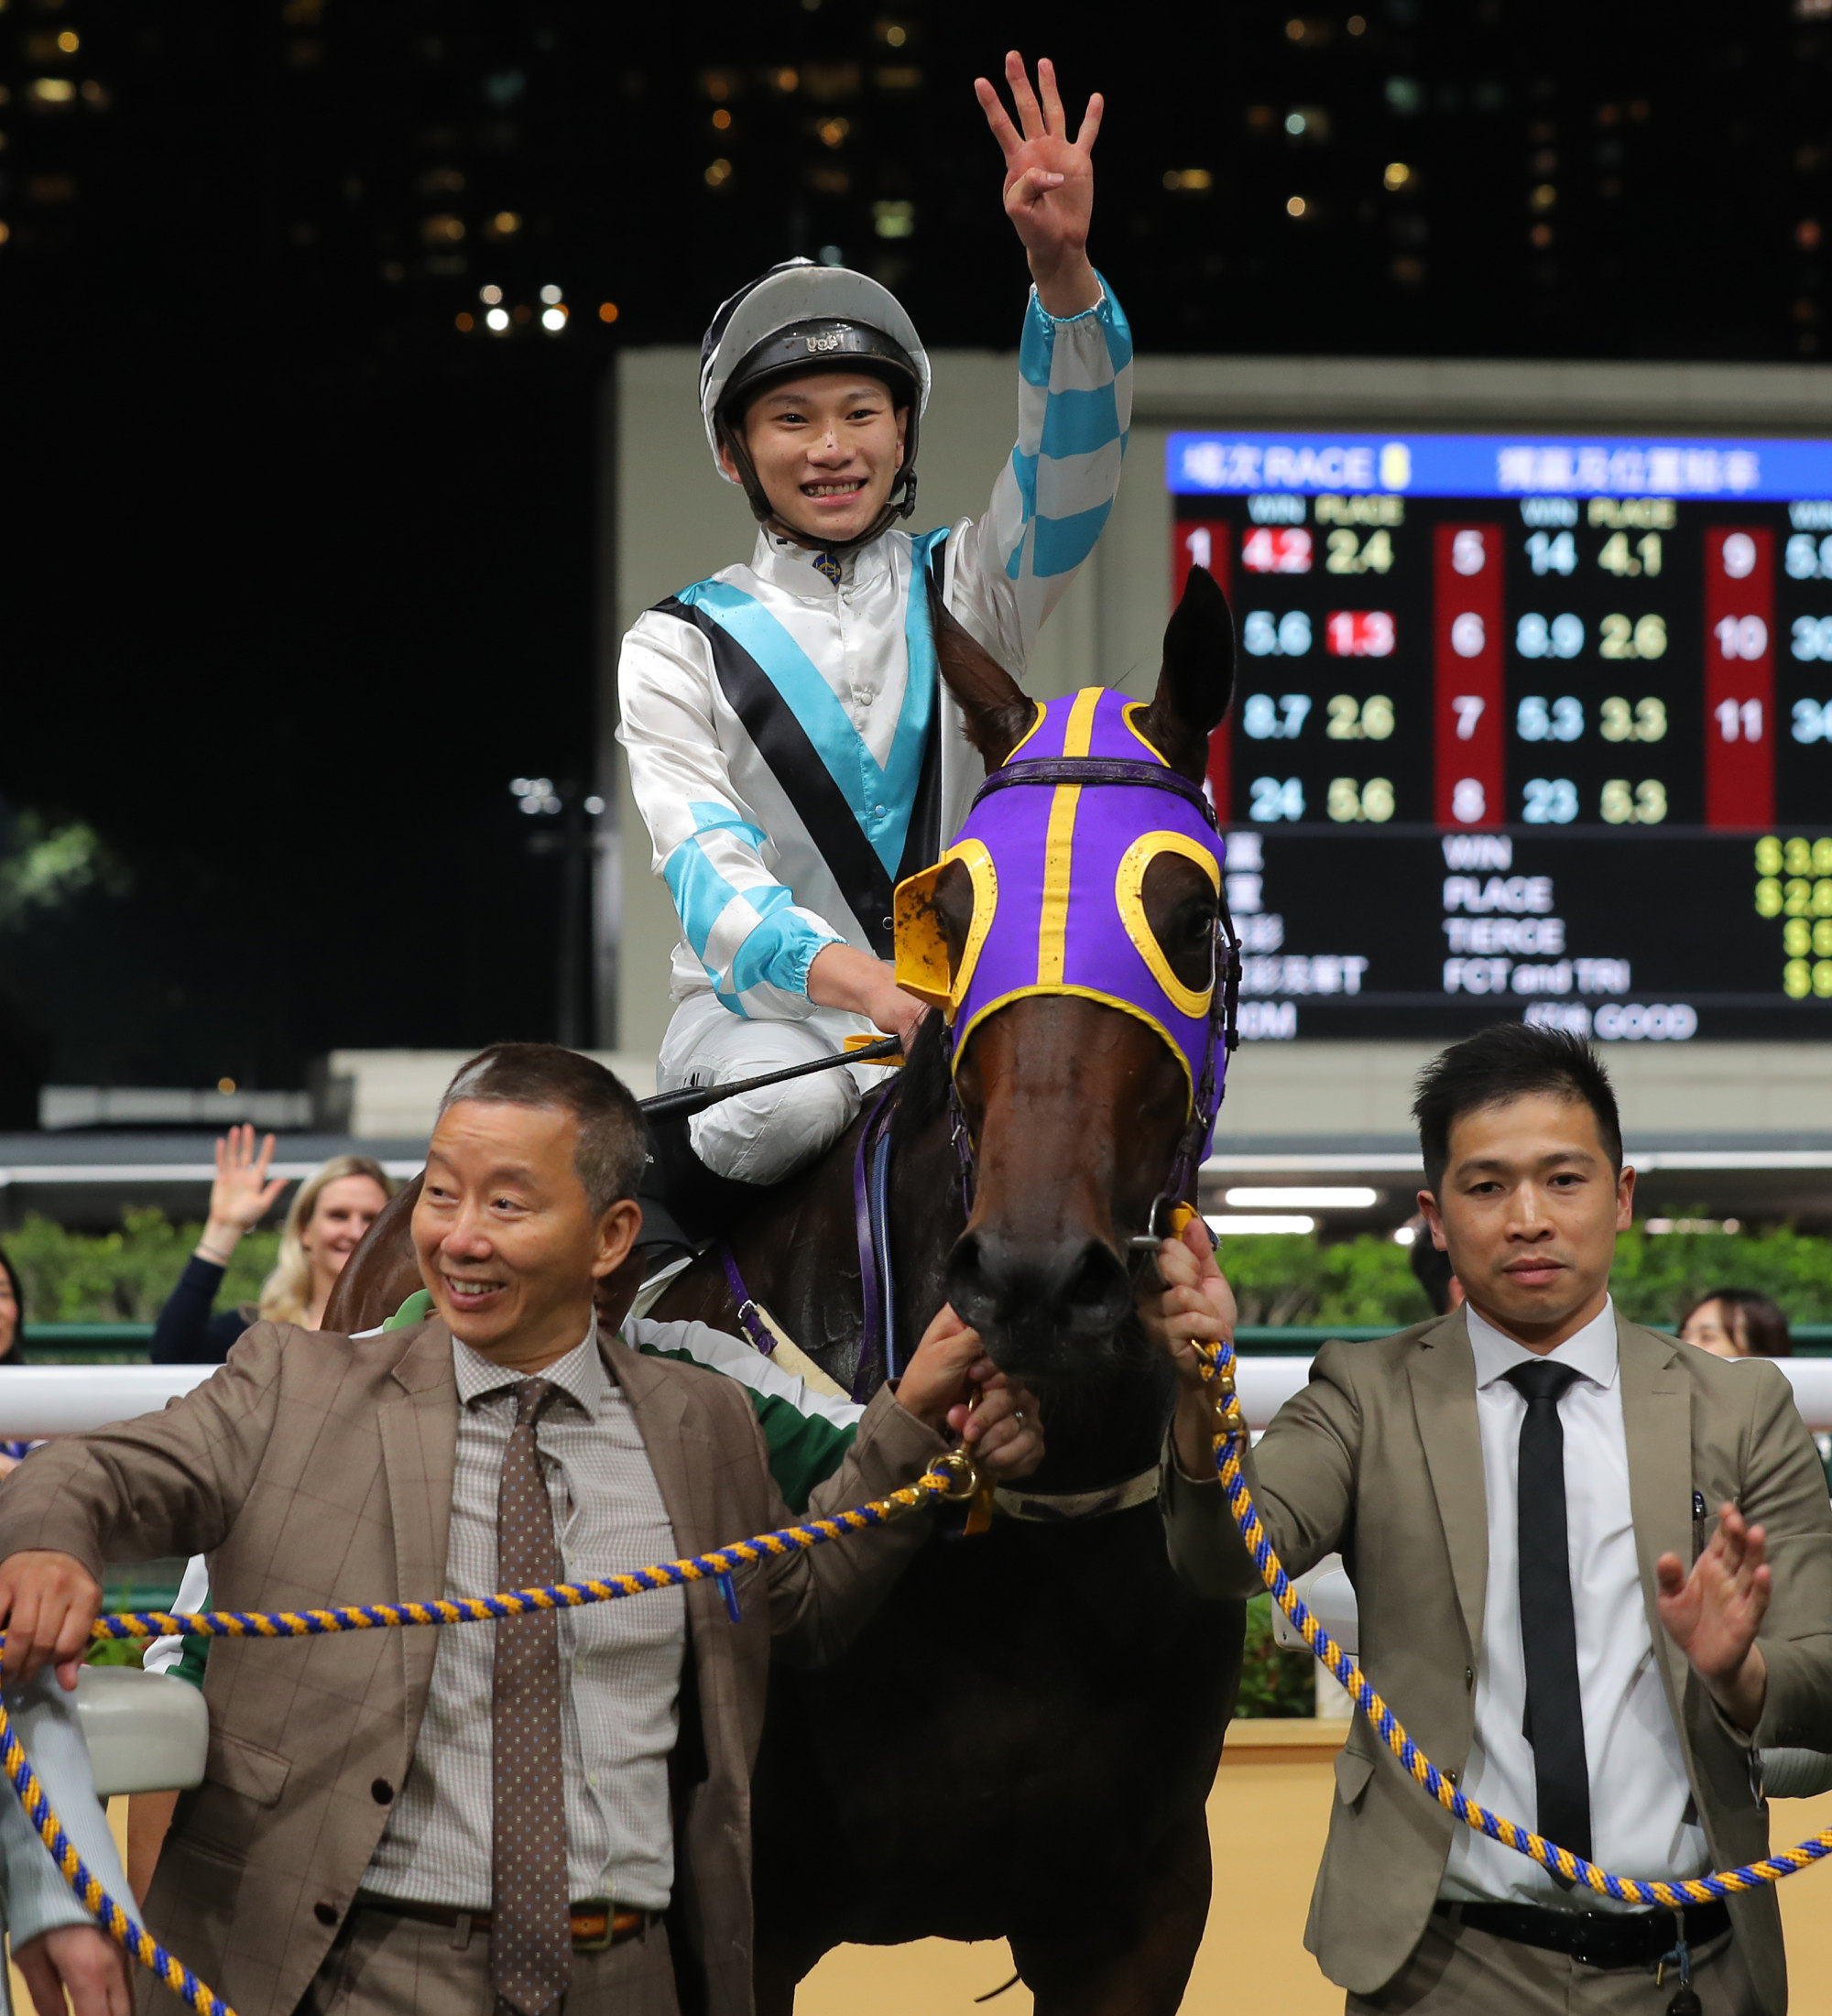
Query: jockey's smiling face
[
  {"x": 826, "y": 449},
  {"x": 508, "y": 1245}
]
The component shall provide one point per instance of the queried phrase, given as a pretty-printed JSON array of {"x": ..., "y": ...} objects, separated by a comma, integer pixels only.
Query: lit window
[
  {"x": 893, "y": 32},
  {"x": 504, "y": 225},
  {"x": 718, "y": 173},
  {"x": 1295, "y": 31},
  {"x": 826, "y": 82},
  {"x": 720, "y": 84},
  {"x": 721, "y": 119},
  {"x": 1356, "y": 25},
  {"x": 498, "y": 319},
  {"x": 1295, "y": 124},
  {"x": 441, "y": 230},
  {"x": 1399, "y": 175},
  {"x": 70, "y": 41},
  {"x": 1295, "y": 206},
  {"x": 894, "y": 220},
  {"x": 608, "y": 312},
  {"x": 441, "y": 182},
  {"x": 53, "y": 91},
  {"x": 898, "y": 77},
  {"x": 552, "y": 295},
  {"x": 784, "y": 79},
  {"x": 1806, "y": 233},
  {"x": 553, "y": 320},
  {"x": 1541, "y": 236},
  {"x": 5, "y": 231},
  {"x": 1188, "y": 178},
  {"x": 93, "y": 94},
  {"x": 1544, "y": 197},
  {"x": 830, "y": 181},
  {"x": 490, "y": 295},
  {"x": 832, "y": 132}
]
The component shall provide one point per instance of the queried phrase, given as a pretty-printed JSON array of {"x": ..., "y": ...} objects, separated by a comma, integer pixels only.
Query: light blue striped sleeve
[
  {"x": 745, "y": 927},
  {"x": 1056, "y": 490},
  {"x": 753, "y": 941}
]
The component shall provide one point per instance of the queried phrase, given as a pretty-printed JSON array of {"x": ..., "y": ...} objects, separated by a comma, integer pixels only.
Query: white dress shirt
[
  {"x": 1643, "y": 1820},
  {"x": 620, "y": 1662}
]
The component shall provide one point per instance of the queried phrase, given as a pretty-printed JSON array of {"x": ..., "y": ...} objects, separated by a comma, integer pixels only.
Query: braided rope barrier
[
  {"x": 952, "y": 1477},
  {"x": 1231, "y": 1438}
]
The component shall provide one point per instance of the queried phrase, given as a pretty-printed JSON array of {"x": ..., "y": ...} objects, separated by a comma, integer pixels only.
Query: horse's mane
[{"x": 923, "y": 1085}]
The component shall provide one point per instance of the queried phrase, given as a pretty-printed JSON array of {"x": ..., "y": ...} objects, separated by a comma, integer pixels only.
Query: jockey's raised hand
[{"x": 1049, "y": 182}]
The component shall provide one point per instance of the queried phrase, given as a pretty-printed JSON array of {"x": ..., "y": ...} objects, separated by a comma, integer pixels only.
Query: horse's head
[{"x": 1070, "y": 937}]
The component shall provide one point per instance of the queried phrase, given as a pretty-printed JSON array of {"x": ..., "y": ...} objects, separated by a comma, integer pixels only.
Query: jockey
[{"x": 792, "y": 748}]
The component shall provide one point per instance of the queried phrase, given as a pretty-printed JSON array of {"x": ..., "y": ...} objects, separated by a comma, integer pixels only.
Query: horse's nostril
[{"x": 1008, "y": 1292}]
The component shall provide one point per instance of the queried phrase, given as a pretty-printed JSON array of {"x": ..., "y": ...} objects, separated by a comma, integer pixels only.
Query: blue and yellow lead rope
[
  {"x": 949, "y": 1479},
  {"x": 1229, "y": 1441},
  {"x": 952, "y": 1477}
]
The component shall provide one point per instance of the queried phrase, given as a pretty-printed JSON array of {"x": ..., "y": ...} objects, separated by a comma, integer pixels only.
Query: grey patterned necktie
[{"x": 531, "y": 1923}]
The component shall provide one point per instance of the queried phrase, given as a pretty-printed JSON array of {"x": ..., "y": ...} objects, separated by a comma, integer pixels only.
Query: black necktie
[{"x": 1555, "y": 1724}]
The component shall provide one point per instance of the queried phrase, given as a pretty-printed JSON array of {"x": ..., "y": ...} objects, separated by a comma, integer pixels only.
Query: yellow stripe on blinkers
[{"x": 1053, "y": 920}]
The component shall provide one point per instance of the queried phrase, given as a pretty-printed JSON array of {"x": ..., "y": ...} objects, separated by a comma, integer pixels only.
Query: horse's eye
[
  {"x": 953, "y": 905},
  {"x": 1182, "y": 911}
]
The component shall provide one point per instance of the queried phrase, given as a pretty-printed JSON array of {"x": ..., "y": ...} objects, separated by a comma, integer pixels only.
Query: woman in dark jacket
[{"x": 334, "y": 1207}]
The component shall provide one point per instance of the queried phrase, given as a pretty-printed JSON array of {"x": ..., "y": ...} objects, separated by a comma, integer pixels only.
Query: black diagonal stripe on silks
[
  {"x": 819, "y": 803},
  {"x": 922, "y": 843}
]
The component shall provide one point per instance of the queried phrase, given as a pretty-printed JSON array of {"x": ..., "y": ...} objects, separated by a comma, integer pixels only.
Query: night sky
[{"x": 300, "y": 575}]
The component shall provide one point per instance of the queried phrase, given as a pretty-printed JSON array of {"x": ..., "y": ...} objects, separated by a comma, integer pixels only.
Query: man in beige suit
[
  {"x": 1593, "y": 1573},
  {"x": 548, "y": 1811}
]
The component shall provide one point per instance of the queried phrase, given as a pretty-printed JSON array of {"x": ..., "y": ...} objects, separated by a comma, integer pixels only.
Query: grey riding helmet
[{"x": 797, "y": 317}]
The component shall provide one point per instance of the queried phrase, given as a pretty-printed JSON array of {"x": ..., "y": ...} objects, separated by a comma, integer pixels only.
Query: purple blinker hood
[{"x": 1057, "y": 845}]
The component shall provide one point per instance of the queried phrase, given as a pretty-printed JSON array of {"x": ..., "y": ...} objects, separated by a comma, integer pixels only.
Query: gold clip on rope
[
  {"x": 1217, "y": 1367},
  {"x": 949, "y": 1478}
]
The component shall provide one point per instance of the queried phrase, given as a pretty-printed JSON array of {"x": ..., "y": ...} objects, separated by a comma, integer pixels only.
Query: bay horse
[{"x": 1021, "y": 1741}]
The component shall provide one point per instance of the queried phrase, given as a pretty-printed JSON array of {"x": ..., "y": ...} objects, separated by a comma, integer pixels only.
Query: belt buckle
[
  {"x": 591, "y": 1907},
  {"x": 1596, "y": 1926}
]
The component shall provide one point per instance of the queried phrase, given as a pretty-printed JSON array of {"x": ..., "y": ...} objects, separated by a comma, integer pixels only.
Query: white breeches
[{"x": 765, "y": 1136}]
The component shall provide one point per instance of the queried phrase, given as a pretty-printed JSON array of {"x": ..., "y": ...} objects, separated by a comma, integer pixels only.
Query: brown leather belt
[{"x": 595, "y": 1923}]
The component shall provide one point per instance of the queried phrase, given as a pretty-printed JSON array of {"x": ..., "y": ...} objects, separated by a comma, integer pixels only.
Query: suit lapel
[
  {"x": 1443, "y": 1373},
  {"x": 1657, "y": 1429},
  {"x": 420, "y": 1452}
]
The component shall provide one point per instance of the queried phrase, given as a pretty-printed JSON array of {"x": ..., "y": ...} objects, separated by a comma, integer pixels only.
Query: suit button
[
  {"x": 1469, "y": 1677},
  {"x": 382, "y": 1792},
  {"x": 326, "y": 1914}
]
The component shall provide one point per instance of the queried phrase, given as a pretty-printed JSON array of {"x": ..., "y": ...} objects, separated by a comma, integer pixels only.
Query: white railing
[{"x": 66, "y": 1399}]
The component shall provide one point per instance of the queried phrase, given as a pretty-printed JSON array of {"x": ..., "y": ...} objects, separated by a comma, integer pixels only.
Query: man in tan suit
[
  {"x": 548, "y": 1811},
  {"x": 1593, "y": 1567}
]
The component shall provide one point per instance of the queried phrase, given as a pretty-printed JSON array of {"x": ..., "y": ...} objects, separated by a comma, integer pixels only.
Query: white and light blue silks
[{"x": 854, "y": 661}]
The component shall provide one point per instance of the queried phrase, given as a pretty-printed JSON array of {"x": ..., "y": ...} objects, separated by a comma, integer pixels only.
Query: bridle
[{"x": 1222, "y": 1035}]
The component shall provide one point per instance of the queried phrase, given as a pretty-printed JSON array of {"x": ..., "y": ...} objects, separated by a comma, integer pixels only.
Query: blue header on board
[{"x": 1498, "y": 465}]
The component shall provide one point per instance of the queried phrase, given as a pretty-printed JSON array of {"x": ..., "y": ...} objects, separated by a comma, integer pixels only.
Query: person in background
[
  {"x": 12, "y": 1344},
  {"x": 1432, "y": 1269},
  {"x": 1737, "y": 1323},
  {"x": 56, "y": 1946},
  {"x": 335, "y": 1205}
]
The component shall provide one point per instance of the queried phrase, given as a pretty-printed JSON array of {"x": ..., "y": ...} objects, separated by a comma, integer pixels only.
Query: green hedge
[
  {"x": 124, "y": 1276},
  {"x": 1291, "y": 1278}
]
